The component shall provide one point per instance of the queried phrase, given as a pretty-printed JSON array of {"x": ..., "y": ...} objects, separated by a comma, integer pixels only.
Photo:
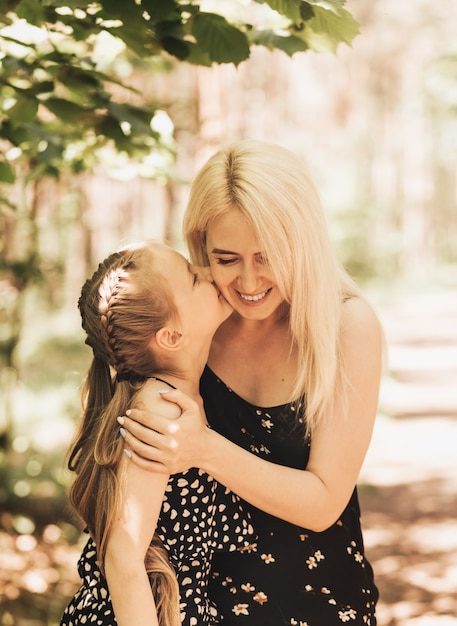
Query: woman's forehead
[{"x": 231, "y": 227}]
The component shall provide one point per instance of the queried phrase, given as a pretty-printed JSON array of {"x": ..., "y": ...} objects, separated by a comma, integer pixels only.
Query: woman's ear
[{"x": 168, "y": 338}]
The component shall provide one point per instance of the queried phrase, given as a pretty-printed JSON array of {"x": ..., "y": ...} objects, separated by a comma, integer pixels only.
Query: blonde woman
[
  {"x": 149, "y": 317},
  {"x": 290, "y": 391}
]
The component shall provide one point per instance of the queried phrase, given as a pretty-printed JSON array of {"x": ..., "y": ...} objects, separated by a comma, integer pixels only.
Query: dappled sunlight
[
  {"x": 408, "y": 486},
  {"x": 37, "y": 570},
  {"x": 377, "y": 125},
  {"x": 409, "y": 480}
]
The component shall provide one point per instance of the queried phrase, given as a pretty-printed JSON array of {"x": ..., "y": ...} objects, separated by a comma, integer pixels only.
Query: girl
[
  {"x": 290, "y": 392},
  {"x": 149, "y": 317}
]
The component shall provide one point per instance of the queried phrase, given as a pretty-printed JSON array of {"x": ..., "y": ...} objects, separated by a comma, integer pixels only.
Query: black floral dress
[
  {"x": 199, "y": 517},
  {"x": 287, "y": 575}
]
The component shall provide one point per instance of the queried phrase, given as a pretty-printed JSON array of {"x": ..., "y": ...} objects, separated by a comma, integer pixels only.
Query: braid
[
  {"x": 122, "y": 306},
  {"x": 109, "y": 295},
  {"x": 98, "y": 296}
]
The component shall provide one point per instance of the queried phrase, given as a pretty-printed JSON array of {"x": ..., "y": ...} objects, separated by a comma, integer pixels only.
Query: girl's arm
[
  {"x": 311, "y": 498},
  {"x": 132, "y": 532},
  {"x": 141, "y": 495}
]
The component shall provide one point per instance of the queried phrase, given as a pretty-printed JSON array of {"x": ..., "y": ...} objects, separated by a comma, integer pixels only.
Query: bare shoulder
[
  {"x": 360, "y": 326},
  {"x": 357, "y": 313},
  {"x": 149, "y": 399}
]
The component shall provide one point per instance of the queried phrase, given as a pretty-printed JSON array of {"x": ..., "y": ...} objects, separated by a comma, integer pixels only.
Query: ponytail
[{"x": 122, "y": 306}]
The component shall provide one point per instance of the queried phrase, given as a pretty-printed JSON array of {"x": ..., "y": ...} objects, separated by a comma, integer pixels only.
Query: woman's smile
[
  {"x": 255, "y": 298},
  {"x": 240, "y": 267}
]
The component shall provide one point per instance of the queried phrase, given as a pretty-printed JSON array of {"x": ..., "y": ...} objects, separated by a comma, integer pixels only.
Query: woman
[
  {"x": 149, "y": 317},
  {"x": 290, "y": 391}
]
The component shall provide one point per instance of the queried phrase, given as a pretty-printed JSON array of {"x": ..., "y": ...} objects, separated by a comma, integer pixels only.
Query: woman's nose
[{"x": 248, "y": 279}]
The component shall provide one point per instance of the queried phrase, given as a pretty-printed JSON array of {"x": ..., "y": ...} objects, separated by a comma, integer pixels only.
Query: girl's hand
[{"x": 162, "y": 444}]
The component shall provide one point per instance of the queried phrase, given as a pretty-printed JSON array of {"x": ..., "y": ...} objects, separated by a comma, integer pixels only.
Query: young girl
[
  {"x": 290, "y": 391},
  {"x": 149, "y": 317}
]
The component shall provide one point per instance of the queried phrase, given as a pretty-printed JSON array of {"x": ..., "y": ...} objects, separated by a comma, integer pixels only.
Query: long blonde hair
[
  {"x": 272, "y": 189},
  {"x": 122, "y": 306}
]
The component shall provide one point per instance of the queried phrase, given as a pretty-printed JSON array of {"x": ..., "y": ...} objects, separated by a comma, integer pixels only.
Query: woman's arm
[
  {"x": 141, "y": 495},
  {"x": 311, "y": 498}
]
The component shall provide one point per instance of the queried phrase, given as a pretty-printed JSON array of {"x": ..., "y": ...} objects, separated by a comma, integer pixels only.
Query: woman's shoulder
[{"x": 359, "y": 320}]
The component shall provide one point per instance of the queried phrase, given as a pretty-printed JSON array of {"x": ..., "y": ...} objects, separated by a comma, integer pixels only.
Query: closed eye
[
  {"x": 220, "y": 261},
  {"x": 196, "y": 278}
]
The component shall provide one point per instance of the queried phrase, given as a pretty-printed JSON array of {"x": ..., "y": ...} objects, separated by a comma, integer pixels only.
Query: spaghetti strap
[{"x": 161, "y": 380}]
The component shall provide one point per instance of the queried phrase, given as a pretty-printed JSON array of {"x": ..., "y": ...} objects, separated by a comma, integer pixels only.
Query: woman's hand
[{"x": 163, "y": 444}]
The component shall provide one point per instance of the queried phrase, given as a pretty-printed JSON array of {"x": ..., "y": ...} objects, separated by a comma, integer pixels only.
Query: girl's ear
[{"x": 168, "y": 339}]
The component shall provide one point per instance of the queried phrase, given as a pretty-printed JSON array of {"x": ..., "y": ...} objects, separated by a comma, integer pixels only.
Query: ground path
[
  {"x": 409, "y": 479},
  {"x": 408, "y": 488}
]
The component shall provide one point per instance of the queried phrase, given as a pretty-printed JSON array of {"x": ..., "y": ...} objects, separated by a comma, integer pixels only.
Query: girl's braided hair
[
  {"x": 124, "y": 303},
  {"x": 103, "y": 305}
]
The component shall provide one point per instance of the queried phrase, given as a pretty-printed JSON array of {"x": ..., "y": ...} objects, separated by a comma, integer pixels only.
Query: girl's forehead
[{"x": 168, "y": 260}]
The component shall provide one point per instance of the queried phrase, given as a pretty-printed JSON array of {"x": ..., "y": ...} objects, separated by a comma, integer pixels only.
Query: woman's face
[
  {"x": 201, "y": 307},
  {"x": 240, "y": 268}
]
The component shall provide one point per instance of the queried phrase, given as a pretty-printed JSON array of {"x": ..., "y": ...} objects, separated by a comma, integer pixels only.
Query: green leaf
[
  {"x": 289, "y": 8},
  {"x": 7, "y": 174},
  {"x": 306, "y": 11},
  {"x": 31, "y": 11},
  {"x": 139, "y": 119},
  {"x": 17, "y": 135},
  {"x": 68, "y": 111},
  {"x": 197, "y": 56},
  {"x": 137, "y": 38},
  {"x": 268, "y": 38},
  {"x": 77, "y": 79},
  {"x": 45, "y": 86},
  {"x": 171, "y": 27},
  {"x": 223, "y": 42},
  {"x": 25, "y": 110},
  {"x": 176, "y": 47},
  {"x": 160, "y": 10},
  {"x": 109, "y": 127},
  {"x": 327, "y": 29},
  {"x": 331, "y": 5},
  {"x": 128, "y": 11}
]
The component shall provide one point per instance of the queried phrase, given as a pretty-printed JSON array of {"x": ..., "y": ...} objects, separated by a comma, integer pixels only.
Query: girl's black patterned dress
[
  {"x": 287, "y": 576},
  {"x": 199, "y": 517}
]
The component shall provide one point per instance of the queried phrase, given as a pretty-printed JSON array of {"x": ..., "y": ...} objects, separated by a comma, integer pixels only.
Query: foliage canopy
[
  {"x": 58, "y": 107},
  {"x": 65, "y": 105}
]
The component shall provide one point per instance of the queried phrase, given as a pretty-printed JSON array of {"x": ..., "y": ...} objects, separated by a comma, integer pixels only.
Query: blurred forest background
[{"x": 377, "y": 124}]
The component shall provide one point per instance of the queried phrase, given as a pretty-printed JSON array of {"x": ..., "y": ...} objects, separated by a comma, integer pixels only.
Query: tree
[
  {"x": 54, "y": 95},
  {"x": 63, "y": 102}
]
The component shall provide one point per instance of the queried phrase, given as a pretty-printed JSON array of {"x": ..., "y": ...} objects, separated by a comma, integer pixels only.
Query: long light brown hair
[
  {"x": 273, "y": 190},
  {"x": 122, "y": 306}
]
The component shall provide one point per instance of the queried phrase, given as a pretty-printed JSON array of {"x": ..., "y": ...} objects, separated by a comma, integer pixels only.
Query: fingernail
[
  {"x": 163, "y": 390},
  {"x": 128, "y": 412},
  {"x": 122, "y": 432},
  {"x": 120, "y": 420},
  {"x": 128, "y": 454}
]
